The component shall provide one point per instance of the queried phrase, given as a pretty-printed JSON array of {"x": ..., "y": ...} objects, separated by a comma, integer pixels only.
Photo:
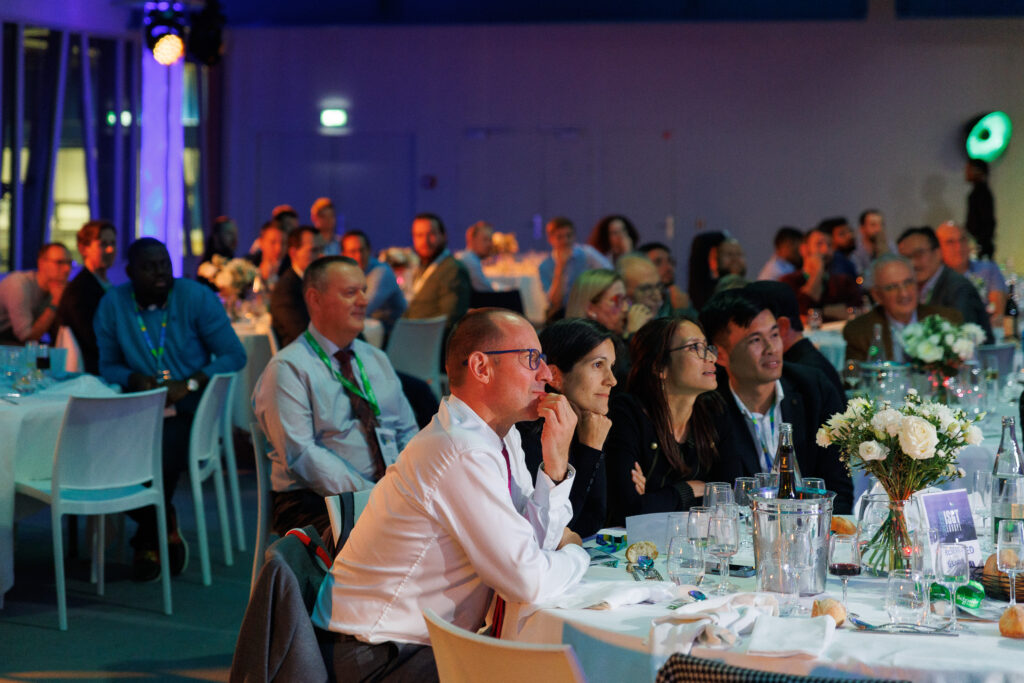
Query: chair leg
[
  {"x": 231, "y": 473},
  {"x": 58, "y": 568},
  {"x": 165, "y": 562},
  {"x": 222, "y": 514},
  {"x": 202, "y": 542},
  {"x": 99, "y": 550}
]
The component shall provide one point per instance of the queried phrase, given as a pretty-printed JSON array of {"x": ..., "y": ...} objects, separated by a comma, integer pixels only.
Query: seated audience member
[
  {"x": 895, "y": 289},
  {"x": 815, "y": 286},
  {"x": 286, "y": 217},
  {"x": 713, "y": 255},
  {"x": 601, "y": 296},
  {"x": 872, "y": 241},
  {"x": 643, "y": 284},
  {"x": 322, "y": 215},
  {"x": 269, "y": 254},
  {"x": 440, "y": 284},
  {"x": 331, "y": 404},
  {"x": 661, "y": 257},
  {"x": 97, "y": 243},
  {"x": 779, "y": 298},
  {"x": 985, "y": 275},
  {"x": 457, "y": 519},
  {"x": 662, "y": 441},
  {"x": 843, "y": 244},
  {"x": 288, "y": 315},
  {"x": 761, "y": 392},
  {"x": 614, "y": 236},
  {"x": 981, "y": 219},
  {"x": 222, "y": 240},
  {"x": 158, "y": 331},
  {"x": 940, "y": 285},
  {"x": 479, "y": 246},
  {"x": 29, "y": 298},
  {"x": 580, "y": 354},
  {"x": 385, "y": 301},
  {"x": 567, "y": 261},
  {"x": 786, "y": 258}
]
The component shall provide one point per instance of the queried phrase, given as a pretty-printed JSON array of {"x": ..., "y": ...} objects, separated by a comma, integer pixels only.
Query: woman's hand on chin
[{"x": 592, "y": 428}]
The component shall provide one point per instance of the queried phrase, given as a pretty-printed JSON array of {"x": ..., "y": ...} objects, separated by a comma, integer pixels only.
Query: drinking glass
[
  {"x": 766, "y": 480},
  {"x": 852, "y": 375},
  {"x": 717, "y": 494},
  {"x": 723, "y": 542},
  {"x": 697, "y": 523},
  {"x": 844, "y": 558},
  {"x": 797, "y": 552},
  {"x": 981, "y": 484},
  {"x": 741, "y": 492},
  {"x": 685, "y": 561},
  {"x": 676, "y": 524},
  {"x": 906, "y": 597},
  {"x": 952, "y": 571},
  {"x": 1010, "y": 552},
  {"x": 814, "y": 484}
]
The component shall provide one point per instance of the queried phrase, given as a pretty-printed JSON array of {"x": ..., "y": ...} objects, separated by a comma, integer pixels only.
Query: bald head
[
  {"x": 642, "y": 280},
  {"x": 480, "y": 329}
]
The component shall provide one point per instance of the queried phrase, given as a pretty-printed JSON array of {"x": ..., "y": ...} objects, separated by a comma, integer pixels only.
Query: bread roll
[
  {"x": 635, "y": 550},
  {"x": 843, "y": 526},
  {"x": 829, "y": 606},
  {"x": 1011, "y": 624}
]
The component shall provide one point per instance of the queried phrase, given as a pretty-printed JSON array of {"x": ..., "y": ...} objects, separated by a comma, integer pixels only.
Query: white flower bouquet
[
  {"x": 937, "y": 345},
  {"x": 906, "y": 449},
  {"x": 235, "y": 276},
  {"x": 505, "y": 243}
]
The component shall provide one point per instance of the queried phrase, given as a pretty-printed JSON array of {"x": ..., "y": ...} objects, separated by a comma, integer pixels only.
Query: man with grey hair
[
  {"x": 643, "y": 283},
  {"x": 895, "y": 288},
  {"x": 331, "y": 404}
]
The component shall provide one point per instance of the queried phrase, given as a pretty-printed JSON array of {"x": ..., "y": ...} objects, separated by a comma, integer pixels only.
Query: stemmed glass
[
  {"x": 697, "y": 525},
  {"x": 676, "y": 524},
  {"x": 717, "y": 494},
  {"x": 797, "y": 554},
  {"x": 814, "y": 484},
  {"x": 1010, "y": 552},
  {"x": 952, "y": 571},
  {"x": 723, "y": 542},
  {"x": 851, "y": 375},
  {"x": 844, "y": 558},
  {"x": 742, "y": 491},
  {"x": 905, "y": 597},
  {"x": 766, "y": 480},
  {"x": 685, "y": 561},
  {"x": 982, "y": 485}
]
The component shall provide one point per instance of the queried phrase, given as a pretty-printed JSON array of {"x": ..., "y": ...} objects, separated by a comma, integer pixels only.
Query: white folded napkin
[
  {"x": 778, "y": 637},
  {"x": 717, "y": 622},
  {"x": 614, "y": 594}
]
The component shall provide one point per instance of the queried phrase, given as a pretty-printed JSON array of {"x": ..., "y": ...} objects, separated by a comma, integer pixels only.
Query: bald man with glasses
[{"x": 29, "y": 298}]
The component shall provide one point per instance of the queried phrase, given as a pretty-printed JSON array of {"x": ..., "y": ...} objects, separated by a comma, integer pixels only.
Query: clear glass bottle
[
  {"x": 1008, "y": 469},
  {"x": 876, "y": 352}
]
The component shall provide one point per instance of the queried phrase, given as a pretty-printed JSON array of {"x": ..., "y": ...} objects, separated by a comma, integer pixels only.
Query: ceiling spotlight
[
  {"x": 164, "y": 27},
  {"x": 333, "y": 118}
]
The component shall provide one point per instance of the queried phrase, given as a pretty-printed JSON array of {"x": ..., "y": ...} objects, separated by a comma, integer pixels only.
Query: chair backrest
[
  {"x": 260, "y": 447},
  {"x": 344, "y": 509},
  {"x": 110, "y": 442},
  {"x": 415, "y": 347},
  {"x": 511, "y": 300},
  {"x": 465, "y": 656},
  {"x": 204, "y": 441},
  {"x": 999, "y": 356}
]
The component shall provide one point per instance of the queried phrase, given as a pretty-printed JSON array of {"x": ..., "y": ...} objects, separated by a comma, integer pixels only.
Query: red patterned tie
[
  {"x": 498, "y": 620},
  {"x": 363, "y": 411}
]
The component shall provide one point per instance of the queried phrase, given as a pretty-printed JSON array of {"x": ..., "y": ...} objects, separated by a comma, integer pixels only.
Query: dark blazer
[
  {"x": 589, "y": 493},
  {"x": 632, "y": 439},
  {"x": 806, "y": 353},
  {"x": 839, "y": 289},
  {"x": 953, "y": 290},
  {"x": 446, "y": 292},
  {"x": 77, "y": 309},
  {"x": 288, "y": 315},
  {"x": 809, "y": 401},
  {"x": 858, "y": 331}
]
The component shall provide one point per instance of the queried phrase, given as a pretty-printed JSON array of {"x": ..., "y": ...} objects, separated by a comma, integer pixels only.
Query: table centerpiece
[
  {"x": 233, "y": 278},
  {"x": 906, "y": 449},
  {"x": 938, "y": 347}
]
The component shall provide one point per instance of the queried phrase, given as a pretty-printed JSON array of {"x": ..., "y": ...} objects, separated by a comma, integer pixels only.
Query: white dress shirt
[
  {"x": 479, "y": 281},
  {"x": 441, "y": 530},
  {"x": 307, "y": 415},
  {"x": 764, "y": 428}
]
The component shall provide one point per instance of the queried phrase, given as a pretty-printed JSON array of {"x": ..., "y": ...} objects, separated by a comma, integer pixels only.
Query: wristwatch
[{"x": 192, "y": 384}]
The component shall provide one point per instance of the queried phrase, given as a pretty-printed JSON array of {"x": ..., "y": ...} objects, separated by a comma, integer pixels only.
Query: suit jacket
[
  {"x": 858, "y": 331},
  {"x": 446, "y": 292},
  {"x": 806, "y": 353},
  {"x": 809, "y": 401},
  {"x": 953, "y": 290},
  {"x": 77, "y": 310},
  {"x": 288, "y": 315}
]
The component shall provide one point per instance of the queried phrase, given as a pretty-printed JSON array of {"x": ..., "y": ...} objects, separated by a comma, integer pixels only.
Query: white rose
[
  {"x": 887, "y": 422},
  {"x": 822, "y": 439},
  {"x": 918, "y": 438},
  {"x": 872, "y": 450},
  {"x": 928, "y": 351},
  {"x": 964, "y": 348},
  {"x": 974, "y": 332},
  {"x": 949, "y": 339},
  {"x": 974, "y": 436}
]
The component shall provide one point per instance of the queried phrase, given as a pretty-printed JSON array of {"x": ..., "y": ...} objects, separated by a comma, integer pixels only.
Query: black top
[
  {"x": 589, "y": 494},
  {"x": 806, "y": 353},
  {"x": 632, "y": 439},
  {"x": 288, "y": 315},
  {"x": 981, "y": 214},
  {"x": 77, "y": 310}
]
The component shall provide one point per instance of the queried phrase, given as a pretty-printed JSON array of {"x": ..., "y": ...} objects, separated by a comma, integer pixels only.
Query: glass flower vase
[{"x": 888, "y": 535}]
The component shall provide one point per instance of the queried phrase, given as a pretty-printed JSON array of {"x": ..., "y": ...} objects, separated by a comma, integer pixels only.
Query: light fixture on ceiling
[
  {"x": 164, "y": 26},
  {"x": 333, "y": 118}
]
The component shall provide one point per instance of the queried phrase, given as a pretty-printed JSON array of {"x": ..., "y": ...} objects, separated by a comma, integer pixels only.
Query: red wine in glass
[{"x": 844, "y": 569}]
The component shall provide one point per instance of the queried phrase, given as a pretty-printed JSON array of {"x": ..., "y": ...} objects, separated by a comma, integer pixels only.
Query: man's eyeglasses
[
  {"x": 700, "y": 349},
  {"x": 533, "y": 356},
  {"x": 896, "y": 286}
]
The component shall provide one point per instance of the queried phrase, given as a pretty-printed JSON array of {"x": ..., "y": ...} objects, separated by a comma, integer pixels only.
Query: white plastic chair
[
  {"x": 230, "y": 466},
  {"x": 415, "y": 349},
  {"x": 260, "y": 447},
  {"x": 344, "y": 509},
  {"x": 204, "y": 463},
  {"x": 463, "y": 656},
  {"x": 108, "y": 459}
]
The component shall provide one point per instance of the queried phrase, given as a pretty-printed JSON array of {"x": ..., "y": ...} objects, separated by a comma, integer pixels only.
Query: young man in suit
[{"x": 761, "y": 392}]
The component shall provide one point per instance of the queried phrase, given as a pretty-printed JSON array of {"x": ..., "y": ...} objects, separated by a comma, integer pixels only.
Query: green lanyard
[
  {"x": 156, "y": 352},
  {"x": 369, "y": 396}
]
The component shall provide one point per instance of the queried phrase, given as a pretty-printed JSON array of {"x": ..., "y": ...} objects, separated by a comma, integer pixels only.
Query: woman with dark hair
[
  {"x": 580, "y": 355},
  {"x": 662, "y": 440},
  {"x": 222, "y": 240},
  {"x": 703, "y": 269},
  {"x": 614, "y": 236}
]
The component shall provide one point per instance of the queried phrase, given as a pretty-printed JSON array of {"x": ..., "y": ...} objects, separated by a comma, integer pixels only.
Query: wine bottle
[
  {"x": 1011, "y": 323},
  {"x": 876, "y": 352},
  {"x": 789, "y": 480}
]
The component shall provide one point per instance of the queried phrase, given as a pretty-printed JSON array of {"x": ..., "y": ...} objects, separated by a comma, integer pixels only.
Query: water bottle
[{"x": 1009, "y": 466}]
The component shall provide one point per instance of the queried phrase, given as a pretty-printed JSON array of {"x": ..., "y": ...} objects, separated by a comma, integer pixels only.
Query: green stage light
[{"x": 988, "y": 137}]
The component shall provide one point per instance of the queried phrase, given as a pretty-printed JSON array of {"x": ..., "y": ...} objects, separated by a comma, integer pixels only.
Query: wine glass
[
  {"x": 905, "y": 597},
  {"x": 798, "y": 551},
  {"x": 1010, "y": 552},
  {"x": 981, "y": 484},
  {"x": 814, "y": 484},
  {"x": 952, "y": 571},
  {"x": 717, "y": 494},
  {"x": 766, "y": 480},
  {"x": 844, "y": 558},
  {"x": 723, "y": 542},
  {"x": 676, "y": 524},
  {"x": 697, "y": 523},
  {"x": 742, "y": 491},
  {"x": 851, "y": 375},
  {"x": 685, "y": 561}
]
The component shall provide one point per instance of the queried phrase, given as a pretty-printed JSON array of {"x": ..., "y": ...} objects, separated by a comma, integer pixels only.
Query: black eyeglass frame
[
  {"x": 709, "y": 349},
  {"x": 534, "y": 353}
]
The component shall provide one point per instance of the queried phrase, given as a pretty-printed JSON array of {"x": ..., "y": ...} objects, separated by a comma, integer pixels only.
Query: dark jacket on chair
[{"x": 288, "y": 314}]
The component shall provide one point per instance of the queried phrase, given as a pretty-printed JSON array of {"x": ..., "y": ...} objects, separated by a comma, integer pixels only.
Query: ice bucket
[{"x": 777, "y": 518}]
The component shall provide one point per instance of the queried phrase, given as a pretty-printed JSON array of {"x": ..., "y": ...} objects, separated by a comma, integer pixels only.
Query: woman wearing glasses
[
  {"x": 580, "y": 355},
  {"x": 662, "y": 441}
]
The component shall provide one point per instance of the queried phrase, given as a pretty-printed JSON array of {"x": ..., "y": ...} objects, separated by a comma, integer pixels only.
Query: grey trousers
[{"x": 350, "y": 660}]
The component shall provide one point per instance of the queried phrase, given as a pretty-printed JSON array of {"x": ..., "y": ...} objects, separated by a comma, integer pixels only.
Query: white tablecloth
[
  {"x": 29, "y": 429},
  {"x": 831, "y": 344},
  {"x": 521, "y": 273}
]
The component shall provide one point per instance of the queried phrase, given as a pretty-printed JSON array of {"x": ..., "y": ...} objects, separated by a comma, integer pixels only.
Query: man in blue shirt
[
  {"x": 479, "y": 245},
  {"x": 158, "y": 331},
  {"x": 566, "y": 262},
  {"x": 385, "y": 300}
]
